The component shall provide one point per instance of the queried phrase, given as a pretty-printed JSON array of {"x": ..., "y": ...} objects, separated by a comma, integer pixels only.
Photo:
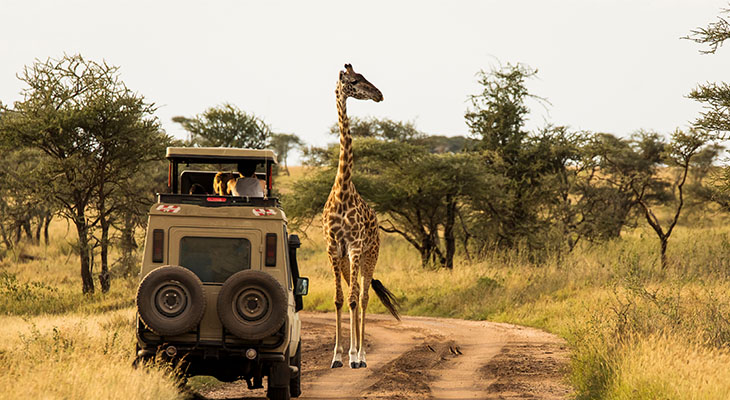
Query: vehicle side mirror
[
  {"x": 294, "y": 242},
  {"x": 302, "y": 287}
]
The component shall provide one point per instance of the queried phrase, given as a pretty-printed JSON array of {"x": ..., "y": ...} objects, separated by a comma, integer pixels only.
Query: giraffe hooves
[
  {"x": 336, "y": 364},
  {"x": 363, "y": 364},
  {"x": 354, "y": 365}
]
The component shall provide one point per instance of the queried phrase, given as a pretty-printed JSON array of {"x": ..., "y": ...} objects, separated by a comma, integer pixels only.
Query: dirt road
[{"x": 428, "y": 358}]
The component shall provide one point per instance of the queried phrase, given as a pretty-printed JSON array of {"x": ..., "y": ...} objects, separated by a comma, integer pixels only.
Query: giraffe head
[{"x": 352, "y": 84}]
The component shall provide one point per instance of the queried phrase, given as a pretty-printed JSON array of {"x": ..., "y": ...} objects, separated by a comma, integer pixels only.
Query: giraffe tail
[{"x": 387, "y": 298}]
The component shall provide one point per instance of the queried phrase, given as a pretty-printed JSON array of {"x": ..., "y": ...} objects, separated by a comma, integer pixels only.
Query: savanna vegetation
[{"x": 619, "y": 244}]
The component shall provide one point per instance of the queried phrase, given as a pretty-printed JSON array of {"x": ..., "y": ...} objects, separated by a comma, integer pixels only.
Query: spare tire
[
  {"x": 171, "y": 300},
  {"x": 252, "y": 305}
]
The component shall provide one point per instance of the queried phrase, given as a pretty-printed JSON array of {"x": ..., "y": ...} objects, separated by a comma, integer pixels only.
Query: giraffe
[{"x": 351, "y": 231}]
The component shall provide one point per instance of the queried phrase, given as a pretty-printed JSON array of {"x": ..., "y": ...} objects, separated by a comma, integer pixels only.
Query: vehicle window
[{"x": 215, "y": 259}]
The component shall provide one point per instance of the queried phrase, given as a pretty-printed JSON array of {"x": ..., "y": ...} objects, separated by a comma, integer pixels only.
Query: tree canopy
[
  {"x": 226, "y": 125},
  {"x": 95, "y": 133},
  {"x": 715, "y": 96}
]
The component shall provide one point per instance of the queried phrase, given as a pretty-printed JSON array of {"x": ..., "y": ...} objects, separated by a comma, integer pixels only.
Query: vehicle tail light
[
  {"x": 270, "y": 250},
  {"x": 158, "y": 241}
]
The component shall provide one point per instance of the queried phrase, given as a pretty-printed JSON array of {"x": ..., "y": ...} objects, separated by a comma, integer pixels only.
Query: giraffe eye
[{"x": 355, "y": 82}]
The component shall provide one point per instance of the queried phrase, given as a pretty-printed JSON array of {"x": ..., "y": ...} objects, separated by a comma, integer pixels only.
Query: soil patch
[
  {"x": 408, "y": 376},
  {"x": 524, "y": 370}
]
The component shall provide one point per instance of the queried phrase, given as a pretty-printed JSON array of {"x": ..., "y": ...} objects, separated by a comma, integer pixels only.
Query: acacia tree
[
  {"x": 715, "y": 98},
  {"x": 418, "y": 195},
  {"x": 632, "y": 165},
  {"x": 713, "y": 35},
  {"x": 226, "y": 126},
  {"x": 679, "y": 153},
  {"x": 129, "y": 138},
  {"x": 23, "y": 190},
  {"x": 132, "y": 202},
  {"x": 283, "y": 144},
  {"x": 421, "y": 196},
  {"x": 497, "y": 117},
  {"x": 90, "y": 126},
  {"x": 498, "y": 114},
  {"x": 553, "y": 193},
  {"x": 380, "y": 128},
  {"x": 530, "y": 162}
]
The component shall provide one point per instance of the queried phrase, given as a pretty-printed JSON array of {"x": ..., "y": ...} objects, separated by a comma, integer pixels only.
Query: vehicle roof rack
[{"x": 206, "y": 155}]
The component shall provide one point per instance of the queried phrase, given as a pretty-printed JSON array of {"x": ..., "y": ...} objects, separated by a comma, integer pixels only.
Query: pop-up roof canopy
[{"x": 219, "y": 155}]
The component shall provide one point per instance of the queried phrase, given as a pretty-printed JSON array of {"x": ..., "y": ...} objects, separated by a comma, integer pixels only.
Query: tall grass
[
  {"x": 635, "y": 330},
  {"x": 76, "y": 356},
  {"x": 664, "y": 367},
  {"x": 56, "y": 343}
]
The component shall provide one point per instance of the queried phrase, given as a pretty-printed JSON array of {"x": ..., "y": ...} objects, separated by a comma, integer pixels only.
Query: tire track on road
[{"x": 423, "y": 357}]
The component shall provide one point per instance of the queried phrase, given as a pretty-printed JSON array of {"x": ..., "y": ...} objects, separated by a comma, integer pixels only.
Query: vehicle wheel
[
  {"x": 171, "y": 300},
  {"x": 277, "y": 393},
  {"x": 252, "y": 305},
  {"x": 279, "y": 377},
  {"x": 295, "y": 384}
]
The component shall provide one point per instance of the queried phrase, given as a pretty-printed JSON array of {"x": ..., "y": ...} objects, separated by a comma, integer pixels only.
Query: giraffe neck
[{"x": 343, "y": 180}]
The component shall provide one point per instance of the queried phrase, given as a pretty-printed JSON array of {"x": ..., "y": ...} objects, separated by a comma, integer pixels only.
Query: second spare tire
[{"x": 252, "y": 305}]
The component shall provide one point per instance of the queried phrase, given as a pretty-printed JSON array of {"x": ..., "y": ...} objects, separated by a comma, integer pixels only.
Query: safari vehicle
[{"x": 220, "y": 289}]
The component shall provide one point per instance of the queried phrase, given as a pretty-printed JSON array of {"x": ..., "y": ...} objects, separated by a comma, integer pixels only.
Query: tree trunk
[
  {"x": 426, "y": 249},
  {"x": 449, "y": 236},
  {"x": 28, "y": 230},
  {"x": 104, "y": 277},
  {"x": 465, "y": 238},
  {"x": 128, "y": 245},
  {"x": 6, "y": 239},
  {"x": 38, "y": 229},
  {"x": 425, "y": 256},
  {"x": 46, "y": 224},
  {"x": 438, "y": 257},
  {"x": 664, "y": 242},
  {"x": 83, "y": 231},
  {"x": 18, "y": 231}
]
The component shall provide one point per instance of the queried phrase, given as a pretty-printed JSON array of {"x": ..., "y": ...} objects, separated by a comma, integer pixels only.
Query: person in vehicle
[
  {"x": 222, "y": 182},
  {"x": 197, "y": 188},
  {"x": 249, "y": 185}
]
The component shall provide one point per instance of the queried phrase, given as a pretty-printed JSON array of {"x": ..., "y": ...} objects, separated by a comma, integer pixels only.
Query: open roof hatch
[{"x": 216, "y": 155}]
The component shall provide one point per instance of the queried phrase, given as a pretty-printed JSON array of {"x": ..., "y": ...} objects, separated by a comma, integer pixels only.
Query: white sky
[{"x": 610, "y": 66}]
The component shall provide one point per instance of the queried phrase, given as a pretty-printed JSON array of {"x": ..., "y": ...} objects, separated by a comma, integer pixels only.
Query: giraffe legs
[
  {"x": 369, "y": 260},
  {"x": 354, "y": 336},
  {"x": 355, "y": 257},
  {"x": 339, "y": 267},
  {"x": 364, "y": 295},
  {"x": 357, "y": 271}
]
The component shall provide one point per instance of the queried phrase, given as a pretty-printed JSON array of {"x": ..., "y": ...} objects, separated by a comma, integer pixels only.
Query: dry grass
[
  {"x": 283, "y": 181},
  {"x": 667, "y": 367},
  {"x": 611, "y": 301},
  {"x": 57, "y": 343},
  {"x": 636, "y": 331},
  {"x": 76, "y": 356}
]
